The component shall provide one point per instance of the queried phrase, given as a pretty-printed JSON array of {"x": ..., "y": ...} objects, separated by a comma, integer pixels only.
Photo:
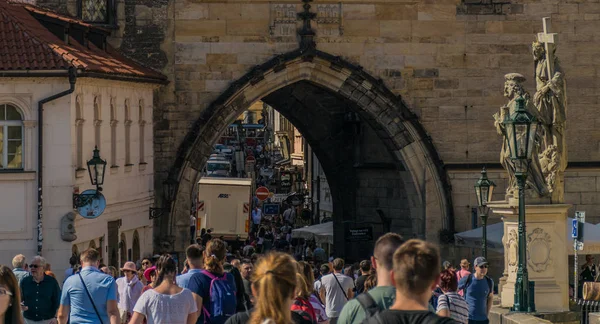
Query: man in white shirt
[
  {"x": 256, "y": 218},
  {"x": 336, "y": 290},
  {"x": 289, "y": 216}
]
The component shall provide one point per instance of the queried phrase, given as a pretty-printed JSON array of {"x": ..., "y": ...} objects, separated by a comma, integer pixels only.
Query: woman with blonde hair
[
  {"x": 273, "y": 285},
  {"x": 10, "y": 297}
]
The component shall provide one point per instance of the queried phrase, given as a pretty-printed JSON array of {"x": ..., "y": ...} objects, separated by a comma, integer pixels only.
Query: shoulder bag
[{"x": 90, "y": 297}]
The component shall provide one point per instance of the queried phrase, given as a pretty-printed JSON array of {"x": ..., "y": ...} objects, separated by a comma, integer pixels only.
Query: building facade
[
  {"x": 395, "y": 97},
  {"x": 89, "y": 96}
]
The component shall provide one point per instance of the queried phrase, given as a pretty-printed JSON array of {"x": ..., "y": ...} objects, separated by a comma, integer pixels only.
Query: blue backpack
[{"x": 223, "y": 301}]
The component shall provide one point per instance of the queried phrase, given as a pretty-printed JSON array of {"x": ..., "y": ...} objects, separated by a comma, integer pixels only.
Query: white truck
[{"x": 224, "y": 206}]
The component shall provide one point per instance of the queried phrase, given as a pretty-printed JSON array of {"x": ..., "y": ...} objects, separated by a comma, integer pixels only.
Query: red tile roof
[{"x": 27, "y": 45}]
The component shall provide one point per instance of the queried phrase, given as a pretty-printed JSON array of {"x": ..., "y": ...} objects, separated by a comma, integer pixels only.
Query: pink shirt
[{"x": 459, "y": 275}]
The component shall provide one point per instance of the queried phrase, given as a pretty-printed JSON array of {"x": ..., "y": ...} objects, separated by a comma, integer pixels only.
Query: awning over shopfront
[
  {"x": 321, "y": 233},
  {"x": 473, "y": 238}
]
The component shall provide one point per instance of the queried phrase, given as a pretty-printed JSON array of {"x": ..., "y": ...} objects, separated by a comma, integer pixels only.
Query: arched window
[
  {"x": 11, "y": 137},
  {"x": 97, "y": 122},
  {"x": 113, "y": 132},
  {"x": 142, "y": 128},
  {"x": 79, "y": 130},
  {"x": 127, "y": 123}
]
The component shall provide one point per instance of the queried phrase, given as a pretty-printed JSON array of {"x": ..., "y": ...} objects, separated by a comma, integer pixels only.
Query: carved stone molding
[
  {"x": 330, "y": 19},
  {"x": 79, "y": 121},
  {"x": 512, "y": 252},
  {"x": 282, "y": 19},
  {"x": 30, "y": 123},
  {"x": 539, "y": 250}
]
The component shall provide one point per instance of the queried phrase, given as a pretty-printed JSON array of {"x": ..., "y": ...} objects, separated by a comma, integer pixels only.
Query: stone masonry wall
[{"x": 446, "y": 58}]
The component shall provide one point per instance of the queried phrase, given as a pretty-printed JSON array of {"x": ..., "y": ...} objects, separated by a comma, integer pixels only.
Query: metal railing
[{"x": 585, "y": 307}]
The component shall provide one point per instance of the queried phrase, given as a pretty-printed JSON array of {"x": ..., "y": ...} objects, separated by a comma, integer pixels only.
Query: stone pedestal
[{"x": 547, "y": 253}]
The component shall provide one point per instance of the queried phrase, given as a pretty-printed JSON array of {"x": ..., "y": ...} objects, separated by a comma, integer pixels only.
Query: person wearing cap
[
  {"x": 463, "y": 272},
  {"x": 478, "y": 291},
  {"x": 129, "y": 290},
  {"x": 150, "y": 277}
]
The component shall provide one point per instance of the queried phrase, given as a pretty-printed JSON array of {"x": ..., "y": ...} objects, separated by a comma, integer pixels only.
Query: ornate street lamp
[
  {"x": 169, "y": 190},
  {"x": 96, "y": 167},
  {"x": 484, "y": 188},
  {"x": 521, "y": 129}
]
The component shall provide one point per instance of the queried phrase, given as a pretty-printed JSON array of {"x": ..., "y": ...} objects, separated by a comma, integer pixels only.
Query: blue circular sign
[{"x": 95, "y": 207}]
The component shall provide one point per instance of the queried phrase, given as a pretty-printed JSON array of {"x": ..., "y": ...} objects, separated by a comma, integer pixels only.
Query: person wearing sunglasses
[
  {"x": 41, "y": 294},
  {"x": 129, "y": 289},
  {"x": 478, "y": 290}
]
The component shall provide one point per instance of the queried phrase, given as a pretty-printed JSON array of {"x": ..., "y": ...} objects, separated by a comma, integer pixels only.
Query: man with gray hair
[
  {"x": 20, "y": 267},
  {"x": 41, "y": 294}
]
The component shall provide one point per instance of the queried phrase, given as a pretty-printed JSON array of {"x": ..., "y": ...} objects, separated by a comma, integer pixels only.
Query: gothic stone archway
[{"x": 285, "y": 83}]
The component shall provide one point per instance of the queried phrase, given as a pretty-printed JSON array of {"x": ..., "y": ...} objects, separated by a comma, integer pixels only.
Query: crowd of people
[{"x": 403, "y": 282}]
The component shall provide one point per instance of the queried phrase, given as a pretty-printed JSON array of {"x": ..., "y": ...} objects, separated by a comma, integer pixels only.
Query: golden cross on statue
[{"x": 549, "y": 40}]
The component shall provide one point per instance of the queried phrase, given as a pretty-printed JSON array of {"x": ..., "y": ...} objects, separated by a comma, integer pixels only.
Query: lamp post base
[{"x": 547, "y": 254}]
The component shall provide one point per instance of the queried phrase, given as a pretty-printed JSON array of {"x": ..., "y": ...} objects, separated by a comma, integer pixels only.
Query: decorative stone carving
[
  {"x": 550, "y": 100},
  {"x": 513, "y": 89},
  {"x": 548, "y": 105},
  {"x": 539, "y": 246},
  {"x": 67, "y": 227},
  {"x": 330, "y": 19},
  {"x": 283, "y": 19},
  {"x": 512, "y": 250}
]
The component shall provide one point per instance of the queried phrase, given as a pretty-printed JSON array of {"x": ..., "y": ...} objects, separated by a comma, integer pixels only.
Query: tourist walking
[
  {"x": 73, "y": 261},
  {"x": 336, "y": 290},
  {"x": 451, "y": 304},
  {"x": 213, "y": 289},
  {"x": 478, "y": 291},
  {"x": 274, "y": 287},
  {"x": 194, "y": 261},
  {"x": 129, "y": 289},
  {"x": 90, "y": 296},
  {"x": 589, "y": 273},
  {"x": 167, "y": 303},
  {"x": 463, "y": 272},
  {"x": 10, "y": 297},
  {"x": 383, "y": 295},
  {"x": 41, "y": 294},
  {"x": 323, "y": 271},
  {"x": 305, "y": 269},
  {"x": 246, "y": 273},
  {"x": 20, "y": 269},
  {"x": 416, "y": 267},
  {"x": 365, "y": 270}
]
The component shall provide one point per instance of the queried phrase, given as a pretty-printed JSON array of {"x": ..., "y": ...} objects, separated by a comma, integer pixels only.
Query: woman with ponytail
[
  {"x": 214, "y": 290},
  {"x": 273, "y": 284},
  {"x": 166, "y": 303},
  {"x": 306, "y": 270}
]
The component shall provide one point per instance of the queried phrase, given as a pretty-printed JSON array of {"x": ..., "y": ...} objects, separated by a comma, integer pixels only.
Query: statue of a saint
[
  {"x": 550, "y": 101},
  {"x": 513, "y": 89}
]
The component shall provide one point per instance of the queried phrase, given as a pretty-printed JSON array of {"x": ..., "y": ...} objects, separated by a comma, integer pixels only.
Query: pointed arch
[{"x": 389, "y": 116}]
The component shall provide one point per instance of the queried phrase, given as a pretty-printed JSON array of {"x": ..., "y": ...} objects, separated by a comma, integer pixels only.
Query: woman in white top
[{"x": 167, "y": 303}]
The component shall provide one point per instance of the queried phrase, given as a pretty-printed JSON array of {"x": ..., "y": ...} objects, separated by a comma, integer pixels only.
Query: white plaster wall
[
  {"x": 128, "y": 190},
  {"x": 18, "y": 193}
]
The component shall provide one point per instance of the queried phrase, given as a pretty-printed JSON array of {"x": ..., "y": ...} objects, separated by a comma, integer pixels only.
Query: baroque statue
[{"x": 548, "y": 105}]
